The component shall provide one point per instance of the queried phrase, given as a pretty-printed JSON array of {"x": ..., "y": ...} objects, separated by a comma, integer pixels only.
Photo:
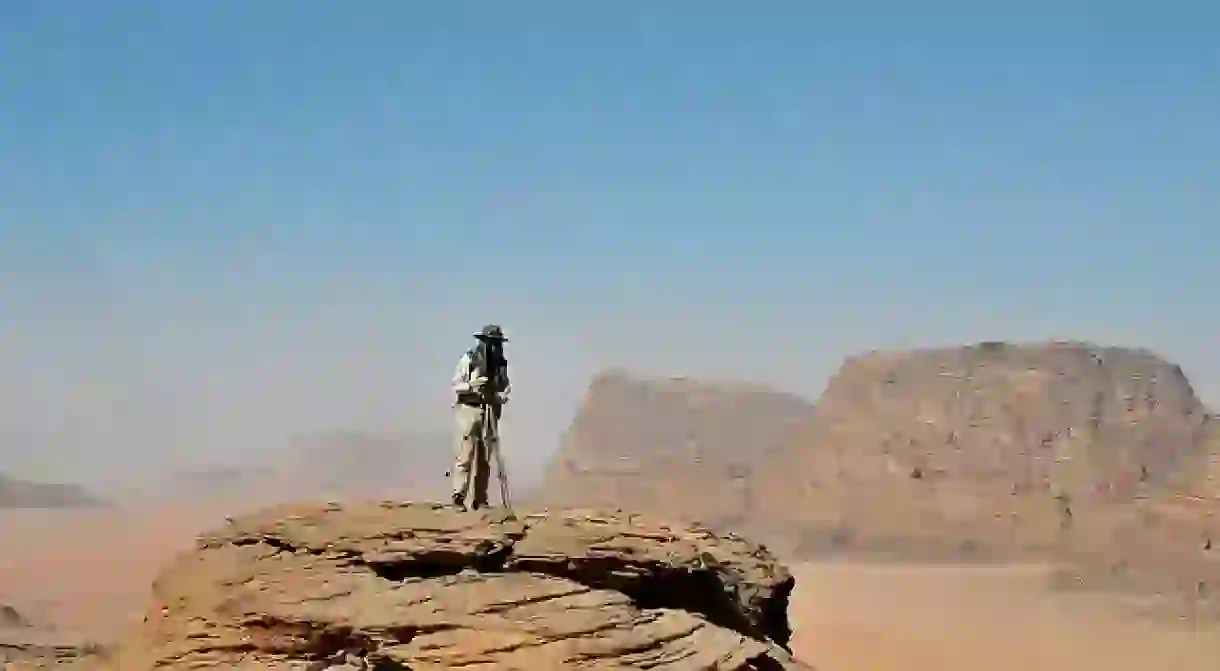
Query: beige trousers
[{"x": 472, "y": 468}]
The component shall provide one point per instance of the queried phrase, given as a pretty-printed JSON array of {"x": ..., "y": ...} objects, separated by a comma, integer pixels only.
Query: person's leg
[{"x": 469, "y": 426}]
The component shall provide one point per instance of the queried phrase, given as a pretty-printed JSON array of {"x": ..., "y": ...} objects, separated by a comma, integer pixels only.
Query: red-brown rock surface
[
  {"x": 419, "y": 586},
  {"x": 986, "y": 446}
]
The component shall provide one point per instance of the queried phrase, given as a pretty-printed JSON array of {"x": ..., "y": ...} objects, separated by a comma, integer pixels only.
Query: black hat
[{"x": 491, "y": 332}]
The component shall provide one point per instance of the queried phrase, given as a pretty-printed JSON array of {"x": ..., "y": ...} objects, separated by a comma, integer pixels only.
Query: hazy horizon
[{"x": 224, "y": 224}]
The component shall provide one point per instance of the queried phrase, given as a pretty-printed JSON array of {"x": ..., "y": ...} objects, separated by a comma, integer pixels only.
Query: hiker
[{"x": 482, "y": 387}]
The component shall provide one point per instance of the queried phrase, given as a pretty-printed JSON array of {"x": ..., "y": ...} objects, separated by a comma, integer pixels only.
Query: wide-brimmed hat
[{"x": 491, "y": 332}]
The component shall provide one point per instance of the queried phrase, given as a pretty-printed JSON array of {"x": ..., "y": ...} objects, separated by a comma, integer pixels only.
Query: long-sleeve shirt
[{"x": 461, "y": 381}]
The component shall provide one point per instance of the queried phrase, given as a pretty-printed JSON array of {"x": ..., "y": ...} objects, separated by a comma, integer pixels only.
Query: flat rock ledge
[
  {"x": 420, "y": 586},
  {"x": 29, "y": 646}
]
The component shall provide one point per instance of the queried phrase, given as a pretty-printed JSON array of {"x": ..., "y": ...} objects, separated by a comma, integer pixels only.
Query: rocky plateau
[{"x": 419, "y": 586}]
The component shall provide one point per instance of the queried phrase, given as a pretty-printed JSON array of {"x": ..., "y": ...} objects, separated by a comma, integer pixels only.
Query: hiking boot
[{"x": 459, "y": 502}]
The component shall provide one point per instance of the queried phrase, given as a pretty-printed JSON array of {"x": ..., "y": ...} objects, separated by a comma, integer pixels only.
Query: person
[{"x": 482, "y": 387}]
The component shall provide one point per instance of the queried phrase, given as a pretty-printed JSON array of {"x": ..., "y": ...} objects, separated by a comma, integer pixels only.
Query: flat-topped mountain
[{"x": 682, "y": 446}]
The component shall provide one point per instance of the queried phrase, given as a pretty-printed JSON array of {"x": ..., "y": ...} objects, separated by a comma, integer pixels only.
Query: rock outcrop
[
  {"x": 1198, "y": 475},
  {"x": 27, "y": 646},
  {"x": 420, "y": 586},
  {"x": 20, "y": 654},
  {"x": 1071, "y": 450},
  {"x": 11, "y": 619},
  {"x": 684, "y": 447},
  {"x": 16, "y": 493},
  {"x": 997, "y": 445}
]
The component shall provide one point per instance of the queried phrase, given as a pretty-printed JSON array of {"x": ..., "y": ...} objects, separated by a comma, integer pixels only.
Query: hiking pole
[
  {"x": 504, "y": 496},
  {"x": 505, "y": 499}
]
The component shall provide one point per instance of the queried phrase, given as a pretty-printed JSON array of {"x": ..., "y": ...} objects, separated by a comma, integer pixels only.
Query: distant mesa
[
  {"x": 680, "y": 446},
  {"x": 1072, "y": 417},
  {"x": 16, "y": 493},
  {"x": 1067, "y": 449},
  {"x": 986, "y": 446},
  {"x": 334, "y": 463}
]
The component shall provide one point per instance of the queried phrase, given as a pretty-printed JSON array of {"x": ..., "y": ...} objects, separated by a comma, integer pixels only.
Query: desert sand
[
  {"x": 89, "y": 572},
  {"x": 902, "y": 618}
]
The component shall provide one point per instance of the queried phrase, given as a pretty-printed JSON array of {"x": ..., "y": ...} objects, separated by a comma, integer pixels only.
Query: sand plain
[
  {"x": 852, "y": 616},
  {"x": 89, "y": 573}
]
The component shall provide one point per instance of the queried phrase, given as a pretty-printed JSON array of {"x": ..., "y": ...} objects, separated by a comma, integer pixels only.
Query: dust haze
[
  {"x": 122, "y": 399},
  {"x": 126, "y": 403},
  {"x": 125, "y": 390},
  {"x": 121, "y": 404}
]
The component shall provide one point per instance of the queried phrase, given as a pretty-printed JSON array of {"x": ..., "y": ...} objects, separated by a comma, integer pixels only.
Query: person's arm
[{"x": 461, "y": 376}]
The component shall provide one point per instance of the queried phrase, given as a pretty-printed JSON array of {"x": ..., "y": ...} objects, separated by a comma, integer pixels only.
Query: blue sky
[{"x": 224, "y": 222}]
